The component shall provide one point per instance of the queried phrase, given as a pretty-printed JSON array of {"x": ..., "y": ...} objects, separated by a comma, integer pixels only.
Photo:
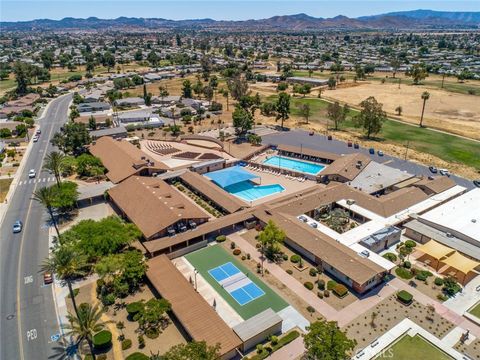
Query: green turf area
[
  {"x": 4, "y": 186},
  {"x": 206, "y": 259},
  {"x": 475, "y": 311},
  {"x": 7, "y": 84},
  {"x": 416, "y": 347},
  {"x": 447, "y": 147}
]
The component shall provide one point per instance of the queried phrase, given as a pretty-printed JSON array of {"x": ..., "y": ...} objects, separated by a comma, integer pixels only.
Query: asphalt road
[
  {"x": 28, "y": 316},
  {"x": 320, "y": 142}
]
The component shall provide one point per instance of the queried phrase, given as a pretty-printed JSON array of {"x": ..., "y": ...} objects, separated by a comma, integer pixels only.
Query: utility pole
[{"x": 406, "y": 151}]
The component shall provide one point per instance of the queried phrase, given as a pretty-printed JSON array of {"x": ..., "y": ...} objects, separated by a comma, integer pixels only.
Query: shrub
[
  {"x": 403, "y": 273},
  {"x": 134, "y": 308},
  {"x": 274, "y": 340},
  {"x": 310, "y": 309},
  {"x": 326, "y": 293},
  {"x": 405, "y": 297},
  {"x": 237, "y": 252},
  {"x": 320, "y": 294},
  {"x": 259, "y": 348},
  {"x": 410, "y": 243},
  {"x": 244, "y": 257},
  {"x": 442, "y": 297},
  {"x": 248, "y": 256},
  {"x": 438, "y": 281},
  {"x": 308, "y": 285},
  {"x": 232, "y": 245},
  {"x": 295, "y": 258},
  {"x": 137, "y": 356},
  {"x": 313, "y": 272},
  {"x": 126, "y": 344},
  {"x": 321, "y": 284},
  {"x": 285, "y": 257},
  {"x": 407, "y": 264},
  {"x": 340, "y": 290},
  {"x": 422, "y": 275},
  {"x": 152, "y": 333},
  {"x": 221, "y": 238},
  {"x": 390, "y": 256},
  {"x": 102, "y": 339},
  {"x": 108, "y": 299},
  {"x": 289, "y": 271},
  {"x": 141, "y": 341},
  {"x": 331, "y": 284}
]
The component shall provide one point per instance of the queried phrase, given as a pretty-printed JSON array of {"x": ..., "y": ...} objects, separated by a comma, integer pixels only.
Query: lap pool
[
  {"x": 293, "y": 164},
  {"x": 248, "y": 191}
]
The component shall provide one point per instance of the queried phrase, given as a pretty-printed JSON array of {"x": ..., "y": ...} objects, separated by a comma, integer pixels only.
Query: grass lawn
[
  {"x": 213, "y": 256},
  {"x": 7, "y": 84},
  {"x": 416, "y": 347},
  {"x": 475, "y": 310},
  {"x": 4, "y": 186},
  {"x": 447, "y": 147}
]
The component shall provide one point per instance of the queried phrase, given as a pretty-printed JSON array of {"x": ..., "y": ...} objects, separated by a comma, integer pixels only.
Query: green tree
[
  {"x": 242, "y": 120},
  {"x": 425, "y": 97},
  {"x": 153, "y": 314},
  {"x": 108, "y": 60},
  {"x": 65, "y": 195},
  {"x": 332, "y": 83},
  {"x": 238, "y": 87},
  {"x": 417, "y": 72},
  {"x": 337, "y": 114},
  {"x": 326, "y": 341},
  {"x": 187, "y": 89},
  {"x": 84, "y": 326},
  {"x": 46, "y": 197},
  {"x": 163, "y": 92},
  {"x": 92, "y": 123},
  {"x": 282, "y": 107},
  {"x": 305, "y": 111},
  {"x": 195, "y": 350},
  {"x": 270, "y": 239},
  {"x": 138, "y": 55},
  {"x": 395, "y": 64},
  {"x": 72, "y": 139},
  {"x": 86, "y": 164},
  {"x": 153, "y": 58},
  {"x": 198, "y": 88},
  {"x": 23, "y": 76},
  {"x": 371, "y": 117},
  {"x": 54, "y": 162},
  {"x": 67, "y": 264}
]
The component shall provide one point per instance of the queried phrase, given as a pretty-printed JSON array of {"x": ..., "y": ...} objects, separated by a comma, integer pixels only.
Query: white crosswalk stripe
[{"x": 36, "y": 181}]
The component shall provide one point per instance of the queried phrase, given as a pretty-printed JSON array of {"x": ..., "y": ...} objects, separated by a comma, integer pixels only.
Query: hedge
[
  {"x": 295, "y": 258},
  {"x": 390, "y": 256},
  {"x": 289, "y": 271},
  {"x": 438, "y": 281},
  {"x": 423, "y": 275},
  {"x": 281, "y": 343},
  {"x": 137, "y": 356},
  {"x": 403, "y": 273},
  {"x": 410, "y": 243},
  {"x": 340, "y": 290},
  {"x": 221, "y": 238},
  {"x": 126, "y": 344},
  {"x": 134, "y": 308},
  {"x": 313, "y": 272},
  {"x": 308, "y": 285},
  {"x": 405, "y": 297},
  {"x": 331, "y": 284},
  {"x": 102, "y": 339}
]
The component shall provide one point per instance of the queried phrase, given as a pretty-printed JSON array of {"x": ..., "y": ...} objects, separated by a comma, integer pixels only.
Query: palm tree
[
  {"x": 425, "y": 97},
  {"x": 55, "y": 162},
  {"x": 46, "y": 197},
  {"x": 86, "y": 324},
  {"x": 67, "y": 264}
]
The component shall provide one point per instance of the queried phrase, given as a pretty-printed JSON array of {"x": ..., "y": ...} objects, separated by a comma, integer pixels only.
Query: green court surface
[
  {"x": 475, "y": 310},
  {"x": 415, "y": 347},
  {"x": 211, "y": 257}
]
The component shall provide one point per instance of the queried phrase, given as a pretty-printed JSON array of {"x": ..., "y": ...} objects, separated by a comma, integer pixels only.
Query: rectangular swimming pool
[
  {"x": 295, "y": 165},
  {"x": 248, "y": 191}
]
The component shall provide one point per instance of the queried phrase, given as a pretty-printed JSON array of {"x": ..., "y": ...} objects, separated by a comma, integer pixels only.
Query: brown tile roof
[
  {"x": 98, "y": 118},
  {"x": 307, "y": 151},
  {"x": 437, "y": 185},
  {"x": 198, "y": 318},
  {"x": 346, "y": 166},
  {"x": 152, "y": 204},
  {"x": 342, "y": 258},
  {"x": 121, "y": 158},
  {"x": 213, "y": 192}
]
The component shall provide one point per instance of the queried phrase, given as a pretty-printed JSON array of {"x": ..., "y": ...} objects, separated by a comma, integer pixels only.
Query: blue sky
[{"x": 15, "y": 10}]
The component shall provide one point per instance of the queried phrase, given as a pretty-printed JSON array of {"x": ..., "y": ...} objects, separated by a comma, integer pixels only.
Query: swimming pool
[
  {"x": 248, "y": 191},
  {"x": 293, "y": 164}
]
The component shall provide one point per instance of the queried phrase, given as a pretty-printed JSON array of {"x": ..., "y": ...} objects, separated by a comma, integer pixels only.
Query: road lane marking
[
  {"x": 28, "y": 279},
  {"x": 32, "y": 334}
]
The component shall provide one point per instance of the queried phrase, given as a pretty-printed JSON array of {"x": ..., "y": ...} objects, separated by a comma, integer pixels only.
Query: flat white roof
[{"x": 461, "y": 214}]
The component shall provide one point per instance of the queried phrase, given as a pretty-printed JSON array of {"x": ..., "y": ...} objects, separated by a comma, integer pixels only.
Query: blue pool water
[
  {"x": 248, "y": 191},
  {"x": 295, "y": 165}
]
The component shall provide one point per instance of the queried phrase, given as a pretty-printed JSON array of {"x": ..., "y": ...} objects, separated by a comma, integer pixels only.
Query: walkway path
[{"x": 293, "y": 350}]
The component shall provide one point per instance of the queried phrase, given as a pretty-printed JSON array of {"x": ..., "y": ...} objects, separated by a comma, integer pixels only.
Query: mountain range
[{"x": 415, "y": 19}]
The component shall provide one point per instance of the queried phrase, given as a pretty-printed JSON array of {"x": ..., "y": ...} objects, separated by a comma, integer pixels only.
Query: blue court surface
[
  {"x": 247, "y": 293},
  {"x": 243, "y": 294}
]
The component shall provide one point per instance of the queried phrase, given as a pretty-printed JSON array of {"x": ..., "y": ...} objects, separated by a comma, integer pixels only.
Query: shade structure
[
  {"x": 230, "y": 176},
  {"x": 461, "y": 263},
  {"x": 435, "y": 249}
]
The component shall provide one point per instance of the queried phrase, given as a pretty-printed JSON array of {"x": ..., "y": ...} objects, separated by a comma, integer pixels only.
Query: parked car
[
  {"x": 311, "y": 133},
  {"x": 444, "y": 172},
  {"x": 371, "y": 151},
  {"x": 35, "y": 138},
  {"x": 17, "y": 226},
  {"x": 192, "y": 224},
  {"x": 38, "y": 132},
  {"x": 302, "y": 218},
  {"x": 476, "y": 183},
  {"x": 32, "y": 173},
  {"x": 47, "y": 277},
  {"x": 356, "y": 146},
  {"x": 380, "y": 153},
  {"x": 349, "y": 144},
  {"x": 433, "y": 169}
]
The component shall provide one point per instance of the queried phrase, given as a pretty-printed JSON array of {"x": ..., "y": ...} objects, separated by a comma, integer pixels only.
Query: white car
[
  {"x": 444, "y": 172},
  {"x": 35, "y": 138},
  {"x": 32, "y": 173}
]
